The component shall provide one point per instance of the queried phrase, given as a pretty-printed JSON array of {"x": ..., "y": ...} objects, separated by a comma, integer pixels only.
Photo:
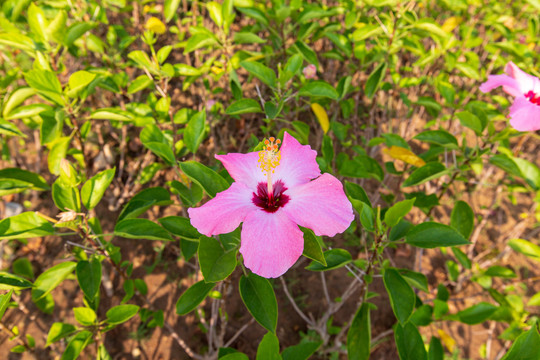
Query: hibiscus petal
[
  {"x": 223, "y": 213},
  {"x": 271, "y": 243},
  {"x": 297, "y": 165},
  {"x": 524, "y": 81},
  {"x": 320, "y": 205},
  {"x": 508, "y": 83},
  {"x": 524, "y": 115},
  {"x": 243, "y": 168}
]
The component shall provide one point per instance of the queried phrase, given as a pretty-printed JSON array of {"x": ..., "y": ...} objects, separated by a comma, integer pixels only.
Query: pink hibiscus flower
[
  {"x": 273, "y": 202},
  {"x": 525, "y": 111}
]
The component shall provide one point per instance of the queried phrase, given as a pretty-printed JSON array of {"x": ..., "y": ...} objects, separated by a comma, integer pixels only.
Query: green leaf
[
  {"x": 374, "y": 79},
  {"x": 214, "y": 10},
  {"x": 14, "y": 180},
  {"x": 234, "y": 356},
  {"x": 430, "y": 235},
  {"x": 470, "y": 121},
  {"x": 438, "y": 137},
  {"x": 121, "y": 313},
  {"x": 78, "y": 81},
  {"x": 180, "y": 226},
  {"x": 76, "y": 345},
  {"x": 18, "y": 349},
  {"x": 359, "y": 335},
  {"x": 94, "y": 189},
  {"x": 462, "y": 218},
  {"x": 357, "y": 192},
  {"x": 216, "y": 263},
  {"x": 200, "y": 40},
  {"x": 140, "y": 83},
  {"x": 84, "y": 316},
  {"x": 312, "y": 247},
  {"x": 500, "y": 271},
  {"x": 476, "y": 314},
  {"x": 77, "y": 30},
  {"x": 143, "y": 201},
  {"x": 302, "y": 351},
  {"x": 398, "y": 211},
  {"x": 529, "y": 172},
  {"x": 142, "y": 59},
  {"x": 334, "y": 259},
  {"x": 23, "y": 267},
  {"x": 141, "y": 229},
  {"x": 409, "y": 342},
  {"x": 416, "y": 279},
  {"x": 362, "y": 166},
  {"x": 243, "y": 106},
  {"x": 16, "y": 98},
  {"x": 27, "y": 111},
  {"x": 526, "y": 346},
  {"x": 261, "y": 72},
  {"x": 318, "y": 88},
  {"x": 186, "y": 70},
  {"x": 24, "y": 226},
  {"x": 51, "y": 278},
  {"x": 367, "y": 31},
  {"x": 506, "y": 163},
  {"x": 193, "y": 296},
  {"x": 58, "y": 152},
  {"x": 246, "y": 37},
  {"x": 9, "y": 129},
  {"x": 430, "y": 171},
  {"x": 111, "y": 114},
  {"x": 66, "y": 197},
  {"x": 462, "y": 258},
  {"x": 169, "y": 9},
  {"x": 436, "y": 351},
  {"x": 37, "y": 22},
  {"x": 89, "y": 277},
  {"x": 208, "y": 179},
  {"x": 520, "y": 245},
  {"x": 402, "y": 296},
  {"x": 258, "y": 296},
  {"x": 154, "y": 139},
  {"x": 9, "y": 281},
  {"x": 268, "y": 348},
  {"x": 102, "y": 353},
  {"x": 47, "y": 85},
  {"x": 307, "y": 53},
  {"x": 4, "y": 302},
  {"x": 194, "y": 131}
]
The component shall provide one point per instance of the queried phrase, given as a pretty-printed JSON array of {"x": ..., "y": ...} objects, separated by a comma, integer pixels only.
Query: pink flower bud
[{"x": 310, "y": 71}]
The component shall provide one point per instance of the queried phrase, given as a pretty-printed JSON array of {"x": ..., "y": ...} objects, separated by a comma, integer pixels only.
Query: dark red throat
[
  {"x": 270, "y": 202},
  {"x": 533, "y": 97}
]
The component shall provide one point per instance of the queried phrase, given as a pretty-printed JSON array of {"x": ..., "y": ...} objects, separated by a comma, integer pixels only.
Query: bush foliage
[{"x": 112, "y": 112}]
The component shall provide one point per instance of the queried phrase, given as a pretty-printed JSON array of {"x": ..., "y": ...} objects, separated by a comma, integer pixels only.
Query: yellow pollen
[{"x": 269, "y": 159}]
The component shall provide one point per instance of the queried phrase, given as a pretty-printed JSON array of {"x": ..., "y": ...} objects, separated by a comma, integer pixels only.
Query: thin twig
[
  {"x": 325, "y": 289},
  {"x": 293, "y": 303},
  {"x": 240, "y": 331}
]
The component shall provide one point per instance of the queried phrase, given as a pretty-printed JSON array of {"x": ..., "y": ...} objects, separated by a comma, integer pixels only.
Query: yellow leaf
[
  {"x": 451, "y": 23},
  {"x": 447, "y": 340},
  {"x": 404, "y": 155},
  {"x": 155, "y": 25},
  {"x": 321, "y": 115}
]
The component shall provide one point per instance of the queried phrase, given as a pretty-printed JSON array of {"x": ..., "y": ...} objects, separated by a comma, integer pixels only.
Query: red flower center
[
  {"x": 533, "y": 97},
  {"x": 270, "y": 202}
]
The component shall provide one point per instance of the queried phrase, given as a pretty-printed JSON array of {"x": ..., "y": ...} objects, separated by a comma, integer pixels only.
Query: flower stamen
[{"x": 269, "y": 159}]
